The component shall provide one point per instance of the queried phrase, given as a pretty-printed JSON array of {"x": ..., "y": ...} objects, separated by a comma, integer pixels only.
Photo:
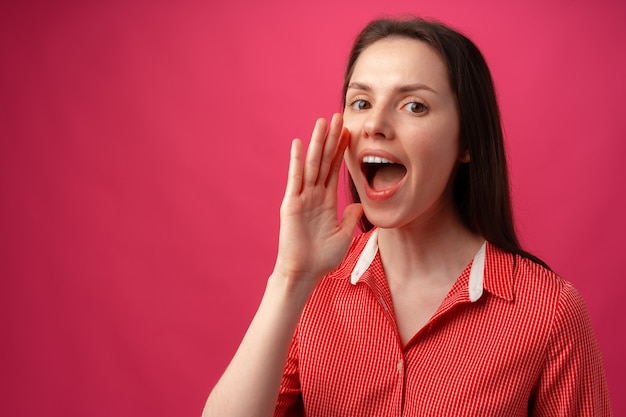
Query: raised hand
[{"x": 313, "y": 241}]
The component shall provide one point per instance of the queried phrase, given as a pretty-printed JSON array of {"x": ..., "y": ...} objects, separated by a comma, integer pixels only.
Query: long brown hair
[{"x": 481, "y": 187}]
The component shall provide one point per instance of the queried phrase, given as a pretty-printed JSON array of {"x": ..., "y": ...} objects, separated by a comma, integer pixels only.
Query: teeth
[{"x": 375, "y": 160}]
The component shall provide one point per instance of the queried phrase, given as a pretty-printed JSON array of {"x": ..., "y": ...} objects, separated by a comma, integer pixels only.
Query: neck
[{"x": 436, "y": 251}]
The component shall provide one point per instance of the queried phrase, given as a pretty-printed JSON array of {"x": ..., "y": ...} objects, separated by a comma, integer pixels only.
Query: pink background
[{"x": 143, "y": 153}]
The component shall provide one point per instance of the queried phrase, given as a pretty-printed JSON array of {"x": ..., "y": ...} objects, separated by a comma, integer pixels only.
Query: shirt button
[{"x": 400, "y": 365}]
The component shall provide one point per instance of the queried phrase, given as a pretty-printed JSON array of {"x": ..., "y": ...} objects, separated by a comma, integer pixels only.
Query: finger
[
  {"x": 294, "y": 175},
  {"x": 330, "y": 148},
  {"x": 344, "y": 141},
  {"x": 314, "y": 153},
  {"x": 351, "y": 216}
]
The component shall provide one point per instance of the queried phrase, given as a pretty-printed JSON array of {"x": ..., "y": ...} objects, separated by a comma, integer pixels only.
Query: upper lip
[{"x": 378, "y": 153}]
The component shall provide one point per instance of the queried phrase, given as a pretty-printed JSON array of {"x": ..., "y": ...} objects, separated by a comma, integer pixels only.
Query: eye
[
  {"x": 415, "y": 107},
  {"x": 359, "y": 104}
]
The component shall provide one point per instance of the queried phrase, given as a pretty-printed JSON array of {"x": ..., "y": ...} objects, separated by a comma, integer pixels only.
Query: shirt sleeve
[
  {"x": 289, "y": 403},
  {"x": 572, "y": 382}
]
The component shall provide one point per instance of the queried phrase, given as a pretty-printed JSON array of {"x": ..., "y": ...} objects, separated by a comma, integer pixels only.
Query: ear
[{"x": 465, "y": 156}]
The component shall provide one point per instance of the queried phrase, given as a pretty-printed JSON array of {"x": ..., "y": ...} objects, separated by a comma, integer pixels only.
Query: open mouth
[{"x": 381, "y": 173}]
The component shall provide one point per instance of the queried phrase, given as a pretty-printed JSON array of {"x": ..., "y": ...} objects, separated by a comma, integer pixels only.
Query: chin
[{"x": 384, "y": 220}]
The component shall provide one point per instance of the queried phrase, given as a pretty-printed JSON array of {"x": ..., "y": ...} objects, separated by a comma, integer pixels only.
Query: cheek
[
  {"x": 350, "y": 122},
  {"x": 446, "y": 147}
]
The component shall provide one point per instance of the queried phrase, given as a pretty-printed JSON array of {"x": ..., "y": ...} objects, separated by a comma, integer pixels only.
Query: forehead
[{"x": 400, "y": 60}]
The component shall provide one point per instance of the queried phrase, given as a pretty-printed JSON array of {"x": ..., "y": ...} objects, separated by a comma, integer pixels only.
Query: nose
[{"x": 378, "y": 124}]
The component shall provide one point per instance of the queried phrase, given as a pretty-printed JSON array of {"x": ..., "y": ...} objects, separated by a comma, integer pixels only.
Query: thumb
[{"x": 351, "y": 216}]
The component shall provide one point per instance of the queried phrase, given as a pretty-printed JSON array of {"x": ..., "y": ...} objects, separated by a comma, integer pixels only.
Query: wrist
[{"x": 294, "y": 287}]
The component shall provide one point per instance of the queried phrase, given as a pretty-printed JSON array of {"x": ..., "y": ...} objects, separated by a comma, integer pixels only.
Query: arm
[
  {"x": 572, "y": 383},
  {"x": 312, "y": 242}
]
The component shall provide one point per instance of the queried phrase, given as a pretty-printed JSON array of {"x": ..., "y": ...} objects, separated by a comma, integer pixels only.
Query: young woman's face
[{"x": 403, "y": 118}]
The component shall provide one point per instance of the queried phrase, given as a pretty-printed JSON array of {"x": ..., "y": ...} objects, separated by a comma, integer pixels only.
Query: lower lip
[{"x": 382, "y": 195}]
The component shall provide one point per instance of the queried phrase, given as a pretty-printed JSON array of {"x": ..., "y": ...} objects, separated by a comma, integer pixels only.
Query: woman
[{"x": 435, "y": 309}]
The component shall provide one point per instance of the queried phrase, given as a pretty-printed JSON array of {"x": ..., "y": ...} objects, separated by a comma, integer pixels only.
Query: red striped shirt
[{"x": 525, "y": 347}]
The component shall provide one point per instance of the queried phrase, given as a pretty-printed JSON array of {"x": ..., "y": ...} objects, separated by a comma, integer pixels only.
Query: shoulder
[
  {"x": 536, "y": 289},
  {"x": 520, "y": 279},
  {"x": 535, "y": 276},
  {"x": 570, "y": 309},
  {"x": 572, "y": 377}
]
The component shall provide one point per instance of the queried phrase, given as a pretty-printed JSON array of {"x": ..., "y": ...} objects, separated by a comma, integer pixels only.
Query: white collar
[{"x": 477, "y": 271}]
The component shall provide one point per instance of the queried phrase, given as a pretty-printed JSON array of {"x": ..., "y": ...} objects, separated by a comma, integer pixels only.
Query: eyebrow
[{"x": 401, "y": 89}]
